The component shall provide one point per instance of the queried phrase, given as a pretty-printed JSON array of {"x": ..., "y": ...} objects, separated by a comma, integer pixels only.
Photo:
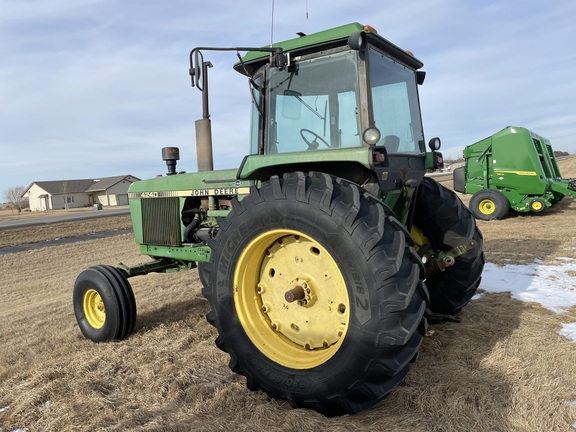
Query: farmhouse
[{"x": 67, "y": 194}]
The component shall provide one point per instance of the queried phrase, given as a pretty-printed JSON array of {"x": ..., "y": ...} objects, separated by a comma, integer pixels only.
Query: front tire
[
  {"x": 104, "y": 304},
  {"x": 316, "y": 293}
]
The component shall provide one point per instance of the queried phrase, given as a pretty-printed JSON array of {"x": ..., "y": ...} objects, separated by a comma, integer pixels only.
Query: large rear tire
[
  {"x": 104, "y": 304},
  {"x": 446, "y": 223},
  {"x": 316, "y": 293}
]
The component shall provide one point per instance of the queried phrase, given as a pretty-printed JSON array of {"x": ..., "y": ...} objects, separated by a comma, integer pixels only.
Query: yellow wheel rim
[
  {"x": 487, "y": 207},
  {"x": 94, "y": 309},
  {"x": 420, "y": 239},
  {"x": 536, "y": 206},
  {"x": 291, "y": 299}
]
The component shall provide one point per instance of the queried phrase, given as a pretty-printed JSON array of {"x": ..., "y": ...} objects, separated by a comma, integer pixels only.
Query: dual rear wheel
[
  {"x": 317, "y": 292},
  {"x": 316, "y": 289}
]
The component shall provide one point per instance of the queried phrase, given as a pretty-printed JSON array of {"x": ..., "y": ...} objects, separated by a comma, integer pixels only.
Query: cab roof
[{"x": 326, "y": 39}]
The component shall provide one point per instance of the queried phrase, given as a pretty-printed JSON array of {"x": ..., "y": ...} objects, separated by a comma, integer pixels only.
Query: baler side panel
[
  {"x": 516, "y": 163},
  {"x": 544, "y": 157},
  {"x": 553, "y": 160}
]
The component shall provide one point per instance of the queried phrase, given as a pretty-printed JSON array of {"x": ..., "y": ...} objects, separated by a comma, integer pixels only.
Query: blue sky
[{"x": 95, "y": 88}]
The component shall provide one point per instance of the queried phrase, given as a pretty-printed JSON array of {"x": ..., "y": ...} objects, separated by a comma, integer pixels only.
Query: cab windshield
[{"x": 314, "y": 104}]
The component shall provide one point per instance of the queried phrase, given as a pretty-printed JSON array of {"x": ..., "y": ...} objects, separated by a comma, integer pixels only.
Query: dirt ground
[{"x": 503, "y": 368}]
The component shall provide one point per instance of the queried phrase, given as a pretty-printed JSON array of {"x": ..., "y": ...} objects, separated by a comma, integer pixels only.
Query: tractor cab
[
  {"x": 350, "y": 91},
  {"x": 342, "y": 101}
]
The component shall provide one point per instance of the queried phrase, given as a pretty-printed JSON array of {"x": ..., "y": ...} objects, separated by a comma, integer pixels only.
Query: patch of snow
[
  {"x": 549, "y": 285},
  {"x": 4, "y": 408},
  {"x": 553, "y": 286},
  {"x": 569, "y": 331}
]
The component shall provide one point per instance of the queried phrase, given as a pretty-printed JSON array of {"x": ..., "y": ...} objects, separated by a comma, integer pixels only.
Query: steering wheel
[{"x": 313, "y": 145}]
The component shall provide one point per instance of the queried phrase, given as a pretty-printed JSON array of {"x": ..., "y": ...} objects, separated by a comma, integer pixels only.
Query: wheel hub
[{"x": 300, "y": 318}]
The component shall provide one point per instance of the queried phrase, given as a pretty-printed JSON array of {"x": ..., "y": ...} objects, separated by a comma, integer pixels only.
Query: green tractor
[
  {"x": 326, "y": 253},
  {"x": 514, "y": 169}
]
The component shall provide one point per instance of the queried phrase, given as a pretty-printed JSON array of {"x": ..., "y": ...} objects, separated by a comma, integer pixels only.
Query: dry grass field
[{"x": 503, "y": 368}]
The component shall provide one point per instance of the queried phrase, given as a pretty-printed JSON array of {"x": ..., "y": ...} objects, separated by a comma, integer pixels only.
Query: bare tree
[
  {"x": 15, "y": 196},
  {"x": 65, "y": 194}
]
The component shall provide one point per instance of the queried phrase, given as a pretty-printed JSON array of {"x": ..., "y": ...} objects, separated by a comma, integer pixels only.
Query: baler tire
[
  {"x": 326, "y": 234},
  {"x": 537, "y": 205},
  {"x": 104, "y": 304},
  {"x": 447, "y": 223},
  {"x": 489, "y": 204}
]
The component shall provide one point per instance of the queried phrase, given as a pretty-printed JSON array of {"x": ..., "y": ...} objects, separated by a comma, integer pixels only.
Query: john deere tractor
[{"x": 326, "y": 253}]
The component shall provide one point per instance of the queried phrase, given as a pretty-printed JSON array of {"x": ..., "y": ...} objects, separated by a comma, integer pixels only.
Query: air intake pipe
[{"x": 170, "y": 155}]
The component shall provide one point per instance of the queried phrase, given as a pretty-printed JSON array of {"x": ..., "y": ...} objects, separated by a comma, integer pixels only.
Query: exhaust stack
[
  {"x": 204, "y": 127},
  {"x": 204, "y": 145}
]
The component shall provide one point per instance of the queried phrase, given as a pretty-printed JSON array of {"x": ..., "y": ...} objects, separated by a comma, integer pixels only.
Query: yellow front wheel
[{"x": 104, "y": 304}]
